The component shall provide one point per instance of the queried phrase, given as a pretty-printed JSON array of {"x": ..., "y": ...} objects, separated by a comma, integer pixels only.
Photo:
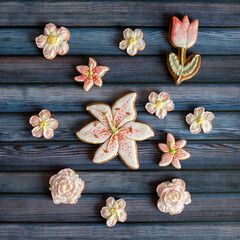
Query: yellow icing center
[
  {"x": 67, "y": 187},
  {"x": 200, "y": 121},
  {"x": 173, "y": 197},
  {"x": 159, "y": 104},
  {"x": 52, "y": 39},
  {"x": 43, "y": 124},
  {"x": 132, "y": 41},
  {"x": 113, "y": 211}
]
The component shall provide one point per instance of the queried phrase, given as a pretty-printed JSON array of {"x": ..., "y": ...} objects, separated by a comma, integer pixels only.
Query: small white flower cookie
[
  {"x": 132, "y": 41},
  {"x": 66, "y": 187},
  {"x": 114, "y": 211},
  {"x": 53, "y": 41}
]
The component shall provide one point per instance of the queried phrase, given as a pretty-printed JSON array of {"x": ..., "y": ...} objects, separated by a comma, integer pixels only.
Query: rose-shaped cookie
[
  {"x": 66, "y": 187},
  {"x": 172, "y": 196},
  {"x": 114, "y": 211}
]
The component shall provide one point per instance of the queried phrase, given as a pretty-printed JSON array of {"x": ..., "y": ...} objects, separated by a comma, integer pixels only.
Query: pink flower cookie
[
  {"x": 132, "y": 41},
  {"x": 43, "y": 124},
  {"x": 183, "y": 35},
  {"x": 172, "y": 196},
  {"x": 114, "y": 211},
  {"x": 116, "y": 130},
  {"x": 173, "y": 152},
  {"x": 159, "y": 104},
  {"x": 66, "y": 187},
  {"x": 91, "y": 74},
  {"x": 200, "y": 120},
  {"x": 54, "y": 41}
]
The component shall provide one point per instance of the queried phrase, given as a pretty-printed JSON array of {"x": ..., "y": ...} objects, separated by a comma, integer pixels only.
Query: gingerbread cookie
[
  {"x": 116, "y": 130},
  {"x": 183, "y": 35},
  {"x": 91, "y": 74},
  {"x": 54, "y": 41},
  {"x": 173, "y": 152}
]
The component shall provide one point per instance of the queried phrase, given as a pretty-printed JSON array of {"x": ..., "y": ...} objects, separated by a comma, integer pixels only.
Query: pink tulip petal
[
  {"x": 151, "y": 107},
  {"x": 48, "y": 133},
  {"x": 88, "y": 83},
  {"x": 180, "y": 143},
  {"x": 44, "y": 114},
  {"x": 81, "y": 78},
  {"x": 63, "y": 34},
  {"x": 53, "y": 123},
  {"x": 206, "y": 126},
  {"x": 153, "y": 97},
  {"x": 127, "y": 33},
  {"x": 110, "y": 202},
  {"x": 106, "y": 212},
  {"x": 191, "y": 118},
  {"x": 176, "y": 163},
  {"x": 120, "y": 203},
  {"x": 132, "y": 50},
  {"x": 192, "y": 33},
  {"x": 182, "y": 154},
  {"x": 140, "y": 45},
  {"x": 50, "y": 29},
  {"x": 111, "y": 221},
  {"x": 185, "y": 22},
  {"x": 123, "y": 44},
  {"x": 166, "y": 159},
  {"x": 62, "y": 49},
  {"x": 208, "y": 116},
  {"x": 163, "y": 147},
  {"x": 97, "y": 81},
  {"x": 170, "y": 139},
  {"x": 92, "y": 62},
  {"x": 37, "y": 132},
  {"x": 34, "y": 121},
  {"x": 199, "y": 111},
  {"x": 178, "y": 33},
  {"x": 41, "y": 41},
  {"x": 161, "y": 113},
  {"x": 121, "y": 215},
  {"x": 49, "y": 52},
  {"x": 195, "y": 128},
  {"x": 83, "y": 69},
  {"x": 164, "y": 96},
  {"x": 100, "y": 71}
]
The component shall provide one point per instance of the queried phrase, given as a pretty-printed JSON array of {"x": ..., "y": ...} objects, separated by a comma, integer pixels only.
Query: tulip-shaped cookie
[{"x": 183, "y": 35}]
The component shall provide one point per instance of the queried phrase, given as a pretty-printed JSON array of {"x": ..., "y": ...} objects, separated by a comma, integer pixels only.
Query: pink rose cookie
[
  {"x": 91, "y": 74},
  {"x": 159, "y": 104},
  {"x": 173, "y": 152},
  {"x": 114, "y": 211},
  {"x": 132, "y": 41},
  {"x": 44, "y": 125},
  {"x": 172, "y": 196},
  {"x": 116, "y": 130},
  {"x": 183, "y": 35},
  {"x": 200, "y": 120},
  {"x": 66, "y": 187},
  {"x": 54, "y": 41}
]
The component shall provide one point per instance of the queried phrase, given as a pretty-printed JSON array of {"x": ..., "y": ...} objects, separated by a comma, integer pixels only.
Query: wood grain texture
[
  {"x": 52, "y": 156},
  {"x": 218, "y": 69},
  {"x": 31, "y": 98},
  {"x": 70, "y": 123},
  {"x": 128, "y": 182},
  {"x": 140, "y": 231},
  {"x": 21, "y": 41},
  {"x": 140, "y": 208},
  {"x": 76, "y": 13}
]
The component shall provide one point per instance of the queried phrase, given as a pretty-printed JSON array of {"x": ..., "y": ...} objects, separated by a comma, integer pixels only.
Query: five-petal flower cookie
[
  {"x": 173, "y": 152},
  {"x": 132, "y": 41},
  {"x": 54, "y": 41},
  {"x": 159, "y": 104},
  {"x": 172, "y": 196},
  {"x": 91, "y": 74},
  {"x": 200, "y": 120},
  {"x": 114, "y": 211},
  {"x": 116, "y": 130},
  {"x": 43, "y": 124}
]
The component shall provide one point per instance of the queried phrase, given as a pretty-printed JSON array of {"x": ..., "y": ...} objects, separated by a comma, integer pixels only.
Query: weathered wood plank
[
  {"x": 30, "y": 98},
  {"x": 128, "y": 14},
  {"x": 140, "y": 231},
  {"x": 52, "y": 156},
  {"x": 15, "y": 127},
  {"x": 122, "y": 69},
  {"x": 129, "y": 182},
  {"x": 105, "y": 41},
  {"x": 140, "y": 208}
]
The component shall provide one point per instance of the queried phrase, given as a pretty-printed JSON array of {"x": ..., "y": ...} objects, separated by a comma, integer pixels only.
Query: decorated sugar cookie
[
  {"x": 54, "y": 41},
  {"x": 66, "y": 187},
  {"x": 91, "y": 74},
  {"x": 200, "y": 120},
  {"x": 183, "y": 35},
  {"x": 159, "y": 104},
  {"x": 114, "y": 211},
  {"x": 172, "y": 196},
  {"x": 116, "y": 130},
  {"x": 44, "y": 125},
  {"x": 173, "y": 152},
  {"x": 132, "y": 41}
]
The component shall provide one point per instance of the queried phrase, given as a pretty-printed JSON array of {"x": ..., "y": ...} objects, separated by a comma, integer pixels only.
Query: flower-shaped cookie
[
  {"x": 91, "y": 74},
  {"x": 114, "y": 211},
  {"x": 172, "y": 196},
  {"x": 173, "y": 152},
  {"x": 66, "y": 187},
  {"x": 200, "y": 120},
  {"x": 159, "y": 104},
  {"x": 116, "y": 130},
  {"x": 132, "y": 41},
  {"x": 43, "y": 124},
  {"x": 54, "y": 41}
]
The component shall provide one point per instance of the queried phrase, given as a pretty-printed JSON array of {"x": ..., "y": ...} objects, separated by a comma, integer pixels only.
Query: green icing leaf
[
  {"x": 174, "y": 63},
  {"x": 190, "y": 67}
]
